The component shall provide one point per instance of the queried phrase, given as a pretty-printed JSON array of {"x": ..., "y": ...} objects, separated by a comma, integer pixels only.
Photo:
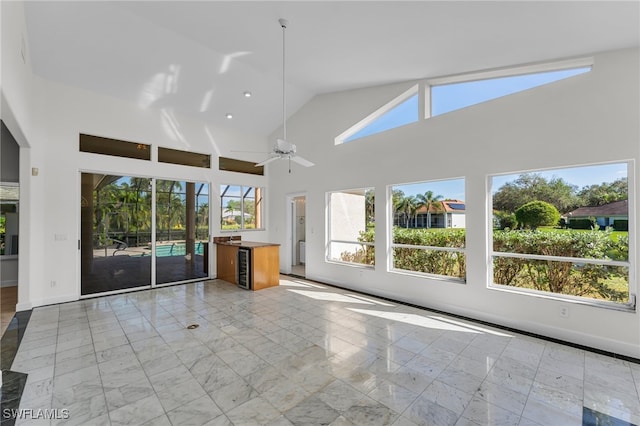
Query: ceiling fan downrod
[{"x": 283, "y": 23}]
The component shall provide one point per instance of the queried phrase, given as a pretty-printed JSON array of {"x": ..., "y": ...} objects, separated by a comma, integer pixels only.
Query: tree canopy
[
  {"x": 562, "y": 195},
  {"x": 605, "y": 193},
  {"x": 531, "y": 187}
]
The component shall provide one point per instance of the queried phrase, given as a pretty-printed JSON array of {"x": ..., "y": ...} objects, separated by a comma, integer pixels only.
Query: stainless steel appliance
[{"x": 244, "y": 268}]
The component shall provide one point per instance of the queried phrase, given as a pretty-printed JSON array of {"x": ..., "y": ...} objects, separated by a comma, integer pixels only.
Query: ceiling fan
[{"x": 284, "y": 149}]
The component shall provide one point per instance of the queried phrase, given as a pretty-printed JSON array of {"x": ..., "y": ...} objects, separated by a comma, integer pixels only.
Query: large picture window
[
  {"x": 351, "y": 226},
  {"x": 428, "y": 232},
  {"x": 241, "y": 207},
  {"x": 564, "y": 232}
]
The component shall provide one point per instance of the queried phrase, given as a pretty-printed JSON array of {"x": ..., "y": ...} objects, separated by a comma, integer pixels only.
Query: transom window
[
  {"x": 398, "y": 112},
  {"x": 451, "y": 93}
]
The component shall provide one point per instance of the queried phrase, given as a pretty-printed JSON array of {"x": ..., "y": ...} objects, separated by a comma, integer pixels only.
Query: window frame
[
  {"x": 491, "y": 74},
  {"x": 392, "y": 245},
  {"x": 11, "y": 201},
  {"x": 258, "y": 214},
  {"x": 629, "y": 306},
  {"x": 369, "y": 119},
  {"x": 329, "y": 228}
]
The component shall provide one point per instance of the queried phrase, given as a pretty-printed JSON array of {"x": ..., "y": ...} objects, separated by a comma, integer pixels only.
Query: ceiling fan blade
[
  {"x": 301, "y": 161},
  {"x": 267, "y": 161}
]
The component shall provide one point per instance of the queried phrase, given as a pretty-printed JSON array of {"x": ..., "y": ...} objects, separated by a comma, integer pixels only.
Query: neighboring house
[
  {"x": 606, "y": 215},
  {"x": 449, "y": 214},
  {"x": 230, "y": 216},
  {"x": 446, "y": 214}
]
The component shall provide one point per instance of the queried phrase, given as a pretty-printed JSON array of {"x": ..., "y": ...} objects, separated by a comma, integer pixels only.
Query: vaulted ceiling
[{"x": 198, "y": 58}]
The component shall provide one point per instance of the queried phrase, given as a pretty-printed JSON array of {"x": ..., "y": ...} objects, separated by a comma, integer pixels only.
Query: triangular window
[
  {"x": 399, "y": 112},
  {"x": 453, "y": 96}
]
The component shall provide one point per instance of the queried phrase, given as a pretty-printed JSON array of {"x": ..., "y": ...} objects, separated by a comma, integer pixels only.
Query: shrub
[
  {"x": 558, "y": 276},
  {"x": 582, "y": 224},
  {"x": 621, "y": 225},
  {"x": 505, "y": 220},
  {"x": 430, "y": 261},
  {"x": 366, "y": 254},
  {"x": 537, "y": 213}
]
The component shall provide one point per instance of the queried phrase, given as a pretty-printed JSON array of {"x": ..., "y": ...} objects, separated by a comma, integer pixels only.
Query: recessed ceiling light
[
  {"x": 247, "y": 94},
  {"x": 229, "y": 115}
]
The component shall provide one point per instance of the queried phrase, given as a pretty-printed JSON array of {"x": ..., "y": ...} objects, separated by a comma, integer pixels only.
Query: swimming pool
[{"x": 176, "y": 249}]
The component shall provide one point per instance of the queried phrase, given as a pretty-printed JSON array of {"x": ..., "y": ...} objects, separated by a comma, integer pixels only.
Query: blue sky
[
  {"x": 405, "y": 113},
  {"x": 452, "y": 189},
  {"x": 579, "y": 176},
  {"x": 450, "y": 97}
]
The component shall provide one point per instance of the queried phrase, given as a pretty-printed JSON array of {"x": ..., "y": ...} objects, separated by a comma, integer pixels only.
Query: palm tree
[
  {"x": 232, "y": 207},
  {"x": 369, "y": 201},
  {"x": 408, "y": 207},
  {"x": 429, "y": 200},
  {"x": 142, "y": 205},
  {"x": 169, "y": 204},
  {"x": 396, "y": 200}
]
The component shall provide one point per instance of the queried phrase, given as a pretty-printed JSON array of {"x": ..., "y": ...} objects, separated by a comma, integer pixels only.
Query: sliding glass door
[
  {"x": 182, "y": 231},
  {"x": 121, "y": 246},
  {"x": 115, "y": 233}
]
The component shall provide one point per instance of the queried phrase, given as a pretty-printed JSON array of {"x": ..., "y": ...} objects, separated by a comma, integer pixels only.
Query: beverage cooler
[{"x": 244, "y": 268}]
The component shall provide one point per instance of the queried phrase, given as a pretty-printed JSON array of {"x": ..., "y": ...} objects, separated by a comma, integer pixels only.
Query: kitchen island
[{"x": 249, "y": 264}]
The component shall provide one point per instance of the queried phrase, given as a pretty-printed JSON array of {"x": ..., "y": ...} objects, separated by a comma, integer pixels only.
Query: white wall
[
  {"x": 560, "y": 124},
  {"x": 347, "y": 219},
  {"x": 51, "y": 117},
  {"x": 458, "y": 220},
  {"x": 68, "y": 112}
]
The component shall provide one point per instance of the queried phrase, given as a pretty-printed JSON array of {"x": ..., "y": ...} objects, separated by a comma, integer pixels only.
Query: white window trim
[
  {"x": 534, "y": 68},
  {"x": 328, "y": 258},
  {"x": 426, "y": 274},
  {"x": 242, "y": 227},
  {"x": 341, "y": 138},
  {"x": 393, "y": 245},
  {"x": 630, "y": 306},
  {"x": 513, "y": 71}
]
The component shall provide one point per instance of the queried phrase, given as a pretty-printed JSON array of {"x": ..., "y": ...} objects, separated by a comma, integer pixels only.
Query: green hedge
[
  {"x": 582, "y": 224},
  {"x": 448, "y": 263},
  {"x": 563, "y": 277},
  {"x": 596, "y": 281},
  {"x": 621, "y": 225}
]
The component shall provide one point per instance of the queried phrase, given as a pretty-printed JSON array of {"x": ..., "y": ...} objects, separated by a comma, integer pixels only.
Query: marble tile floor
[
  {"x": 298, "y": 270},
  {"x": 13, "y": 382},
  {"x": 8, "y": 300},
  {"x": 303, "y": 354}
]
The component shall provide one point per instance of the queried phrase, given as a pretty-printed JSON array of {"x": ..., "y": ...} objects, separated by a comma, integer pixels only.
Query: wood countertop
[{"x": 244, "y": 244}]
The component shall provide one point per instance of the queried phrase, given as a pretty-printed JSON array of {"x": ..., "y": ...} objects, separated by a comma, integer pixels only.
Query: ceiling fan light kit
[{"x": 283, "y": 149}]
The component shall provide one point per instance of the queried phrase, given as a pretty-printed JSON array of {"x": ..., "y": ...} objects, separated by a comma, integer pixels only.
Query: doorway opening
[{"x": 298, "y": 236}]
